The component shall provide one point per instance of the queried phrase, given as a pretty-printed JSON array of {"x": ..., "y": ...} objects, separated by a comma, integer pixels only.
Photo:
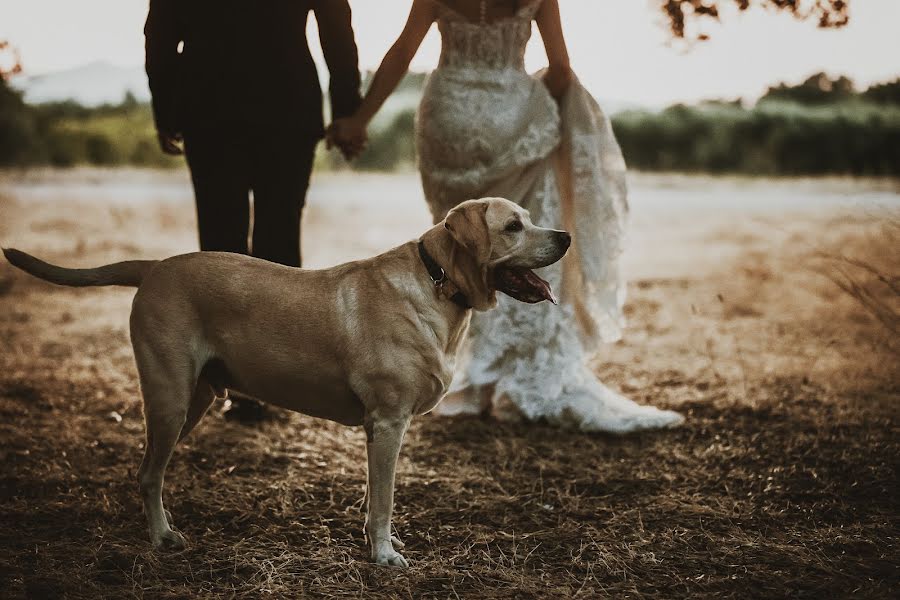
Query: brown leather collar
[{"x": 439, "y": 277}]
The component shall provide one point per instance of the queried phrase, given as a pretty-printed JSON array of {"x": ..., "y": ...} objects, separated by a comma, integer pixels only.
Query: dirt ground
[{"x": 782, "y": 482}]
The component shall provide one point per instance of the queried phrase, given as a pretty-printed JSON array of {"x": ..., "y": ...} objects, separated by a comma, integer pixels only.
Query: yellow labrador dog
[{"x": 371, "y": 342}]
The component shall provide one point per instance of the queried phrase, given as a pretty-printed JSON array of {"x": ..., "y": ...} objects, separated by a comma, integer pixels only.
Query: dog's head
[{"x": 499, "y": 248}]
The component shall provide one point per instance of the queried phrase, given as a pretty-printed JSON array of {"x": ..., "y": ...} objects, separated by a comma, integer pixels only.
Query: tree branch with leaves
[{"x": 682, "y": 13}]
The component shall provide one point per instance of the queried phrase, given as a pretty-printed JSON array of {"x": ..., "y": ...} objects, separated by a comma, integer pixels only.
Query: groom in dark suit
[{"x": 234, "y": 81}]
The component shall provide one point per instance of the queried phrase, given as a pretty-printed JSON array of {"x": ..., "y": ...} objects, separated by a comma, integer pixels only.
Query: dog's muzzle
[{"x": 524, "y": 284}]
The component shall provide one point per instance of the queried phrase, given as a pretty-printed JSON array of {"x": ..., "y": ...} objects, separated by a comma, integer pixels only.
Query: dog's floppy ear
[{"x": 467, "y": 223}]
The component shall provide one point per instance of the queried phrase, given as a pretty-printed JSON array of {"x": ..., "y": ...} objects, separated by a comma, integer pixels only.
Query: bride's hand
[
  {"x": 349, "y": 135},
  {"x": 557, "y": 81}
]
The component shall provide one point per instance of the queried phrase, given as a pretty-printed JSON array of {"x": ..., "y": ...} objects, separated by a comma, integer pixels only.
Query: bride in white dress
[{"x": 486, "y": 127}]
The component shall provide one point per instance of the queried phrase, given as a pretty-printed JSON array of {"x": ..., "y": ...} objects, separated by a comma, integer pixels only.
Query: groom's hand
[
  {"x": 170, "y": 143},
  {"x": 350, "y": 146},
  {"x": 350, "y": 137}
]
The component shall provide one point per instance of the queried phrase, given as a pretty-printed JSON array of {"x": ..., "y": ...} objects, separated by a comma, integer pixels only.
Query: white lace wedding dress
[{"x": 485, "y": 127}]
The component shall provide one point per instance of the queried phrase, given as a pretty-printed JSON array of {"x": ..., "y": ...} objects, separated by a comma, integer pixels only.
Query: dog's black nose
[{"x": 564, "y": 239}]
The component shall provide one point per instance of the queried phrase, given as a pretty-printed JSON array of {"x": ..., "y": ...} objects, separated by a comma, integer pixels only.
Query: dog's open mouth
[{"x": 523, "y": 285}]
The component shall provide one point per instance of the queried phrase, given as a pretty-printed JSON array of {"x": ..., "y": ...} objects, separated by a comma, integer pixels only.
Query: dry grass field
[{"x": 782, "y": 482}]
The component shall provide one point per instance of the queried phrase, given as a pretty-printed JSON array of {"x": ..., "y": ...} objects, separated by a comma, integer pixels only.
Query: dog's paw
[
  {"x": 169, "y": 541},
  {"x": 386, "y": 555}
]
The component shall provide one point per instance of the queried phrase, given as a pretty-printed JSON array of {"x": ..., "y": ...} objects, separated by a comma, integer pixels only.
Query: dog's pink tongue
[{"x": 541, "y": 287}]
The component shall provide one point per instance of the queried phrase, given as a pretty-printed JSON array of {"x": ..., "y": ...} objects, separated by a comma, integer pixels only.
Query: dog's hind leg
[
  {"x": 204, "y": 395},
  {"x": 167, "y": 385}
]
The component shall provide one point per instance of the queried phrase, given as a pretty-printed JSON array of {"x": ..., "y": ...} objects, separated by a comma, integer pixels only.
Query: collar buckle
[{"x": 439, "y": 277}]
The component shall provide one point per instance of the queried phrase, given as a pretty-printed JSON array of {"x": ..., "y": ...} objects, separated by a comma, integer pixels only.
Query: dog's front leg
[{"x": 384, "y": 436}]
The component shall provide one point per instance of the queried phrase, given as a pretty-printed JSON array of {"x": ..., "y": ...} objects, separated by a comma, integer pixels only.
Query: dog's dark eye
[{"x": 514, "y": 226}]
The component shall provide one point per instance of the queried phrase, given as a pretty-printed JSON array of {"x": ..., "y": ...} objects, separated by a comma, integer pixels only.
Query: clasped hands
[{"x": 349, "y": 135}]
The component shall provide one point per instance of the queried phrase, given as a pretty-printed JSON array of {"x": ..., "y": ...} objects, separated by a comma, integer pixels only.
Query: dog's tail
[{"x": 128, "y": 273}]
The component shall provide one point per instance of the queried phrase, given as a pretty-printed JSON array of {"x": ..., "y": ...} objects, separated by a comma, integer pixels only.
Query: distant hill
[{"x": 92, "y": 84}]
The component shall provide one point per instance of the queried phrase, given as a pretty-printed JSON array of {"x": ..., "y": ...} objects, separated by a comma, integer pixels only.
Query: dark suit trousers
[{"x": 228, "y": 163}]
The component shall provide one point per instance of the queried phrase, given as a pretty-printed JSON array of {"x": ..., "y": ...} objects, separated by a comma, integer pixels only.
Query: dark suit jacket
[{"x": 220, "y": 63}]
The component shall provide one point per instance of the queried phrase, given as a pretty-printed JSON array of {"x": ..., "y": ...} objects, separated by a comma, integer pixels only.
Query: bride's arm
[
  {"x": 395, "y": 63},
  {"x": 394, "y": 66},
  {"x": 559, "y": 72}
]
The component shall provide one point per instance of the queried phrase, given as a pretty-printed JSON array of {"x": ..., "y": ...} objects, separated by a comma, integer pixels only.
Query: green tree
[
  {"x": 17, "y": 131},
  {"x": 817, "y": 89},
  {"x": 17, "y": 128},
  {"x": 884, "y": 93}
]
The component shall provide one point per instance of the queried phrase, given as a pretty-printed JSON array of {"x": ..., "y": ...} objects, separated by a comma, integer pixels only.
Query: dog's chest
[{"x": 443, "y": 360}]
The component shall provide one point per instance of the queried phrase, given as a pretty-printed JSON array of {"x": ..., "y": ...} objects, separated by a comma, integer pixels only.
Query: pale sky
[{"x": 619, "y": 48}]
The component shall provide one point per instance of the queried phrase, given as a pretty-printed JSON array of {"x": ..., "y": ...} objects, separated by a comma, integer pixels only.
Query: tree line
[{"x": 821, "y": 126}]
